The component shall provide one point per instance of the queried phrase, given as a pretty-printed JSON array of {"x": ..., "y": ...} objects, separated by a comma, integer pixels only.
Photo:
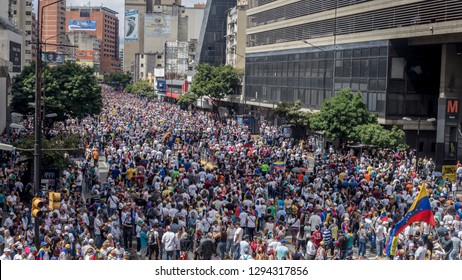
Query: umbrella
[
  {"x": 297, "y": 170},
  {"x": 437, "y": 174}
]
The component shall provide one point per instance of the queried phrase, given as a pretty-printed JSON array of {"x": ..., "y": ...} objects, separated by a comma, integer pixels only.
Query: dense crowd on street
[{"x": 185, "y": 184}]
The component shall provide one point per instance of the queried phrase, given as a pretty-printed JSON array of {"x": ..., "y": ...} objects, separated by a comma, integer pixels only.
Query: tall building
[
  {"x": 150, "y": 24},
  {"x": 403, "y": 56},
  {"x": 145, "y": 65},
  {"x": 54, "y": 26},
  {"x": 22, "y": 15},
  {"x": 121, "y": 58},
  {"x": 176, "y": 60},
  {"x": 102, "y": 23},
  {"x": 135, "y": 11},
  {"x": 235, "y": 35},
  {"x": 88, "y": 52},
  {"x": 212, "y": 42},
  {"x": 11, "y": 59}
]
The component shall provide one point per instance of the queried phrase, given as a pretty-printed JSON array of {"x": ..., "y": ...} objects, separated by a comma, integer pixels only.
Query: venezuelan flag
[
  {"x": 278, "y": 165},
  {"x": 420, "y": 211},
  {"x": 166, "y": 136},
  {"x": 383, "y": 216}
]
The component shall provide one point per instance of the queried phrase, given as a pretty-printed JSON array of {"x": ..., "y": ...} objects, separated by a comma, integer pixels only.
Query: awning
[{"x": 173, "y": 95}]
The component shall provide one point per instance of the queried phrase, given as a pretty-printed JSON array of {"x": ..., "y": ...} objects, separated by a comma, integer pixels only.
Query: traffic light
[
  {"x": 37, "y": 205},
  {"x": 54, "y": 199}
]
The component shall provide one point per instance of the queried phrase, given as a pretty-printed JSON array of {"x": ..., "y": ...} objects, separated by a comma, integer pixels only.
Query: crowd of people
[{"x": 184, "y": 184}]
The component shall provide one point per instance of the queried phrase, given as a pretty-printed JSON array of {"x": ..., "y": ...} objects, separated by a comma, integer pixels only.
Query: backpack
[{"x": 151, "y": 239}]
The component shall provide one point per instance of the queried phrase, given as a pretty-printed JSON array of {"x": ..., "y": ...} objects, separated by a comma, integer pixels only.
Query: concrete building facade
[
  {"x": 403, "y": 56},
  {"x": 103, "y": 23},
  {"x": 149, "y": 25},
  {"x": 145, "y": 65},
  {"x": 11, "y": 60},
  {"x": 22, "y": 15},
  {"x": 235, "y": 35}
]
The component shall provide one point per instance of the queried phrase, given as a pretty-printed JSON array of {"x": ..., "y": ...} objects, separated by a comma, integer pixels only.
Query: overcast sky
[{"x": 118, "y": 6}]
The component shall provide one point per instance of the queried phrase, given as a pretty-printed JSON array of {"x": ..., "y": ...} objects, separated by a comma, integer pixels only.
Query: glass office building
[
  {"x": 212, "y": 42},
  {"x": 404, "y": 57}
]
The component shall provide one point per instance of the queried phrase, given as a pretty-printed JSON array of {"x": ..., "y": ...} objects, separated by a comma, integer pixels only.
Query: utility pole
[
  {"x": 38, "y": 111},
  {"x": 37, "y": 123}
]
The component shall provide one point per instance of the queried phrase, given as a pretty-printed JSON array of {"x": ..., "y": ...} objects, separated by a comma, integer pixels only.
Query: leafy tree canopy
[
  {"x": 140, "y": 87},
  {"x": 187, "y": 99},
  {"x": 118, "y": 79},
  {"x": 215, "y": 82},
  {"x": 375, "y": 134},
  {"x": 66, "y": 88},
  {"x": 339, "y": 115},
  {"x": 292, "y": 113},
  {"x": 59, "y": 159}
]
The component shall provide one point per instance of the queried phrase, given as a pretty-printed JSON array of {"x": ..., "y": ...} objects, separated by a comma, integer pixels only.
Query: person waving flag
[
  {"x": 420, "y": 211},
  {"x": 383, "y": 216}
]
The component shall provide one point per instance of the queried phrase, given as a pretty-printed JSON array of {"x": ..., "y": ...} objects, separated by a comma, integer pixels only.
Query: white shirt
[
  {"x": 170, "y": 241},
  {"x": 5, "y": 258},
  {"x": 251, "y": 221},
  {"x": 243, "y": 218},
  {"x": 238, "y": 235}
]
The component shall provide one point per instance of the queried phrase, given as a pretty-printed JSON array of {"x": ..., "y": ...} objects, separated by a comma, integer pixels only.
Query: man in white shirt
[
  {"x": 170, "y": 242},
  {"x": 9, "y": 221},
  {"x": 237, "y": 240},
  {"x": 98, "y": 223},
  {"x": 6, "y": 255},
  {"x": 314, "y": 221},
  {"x": 380, "y": 238},
  {"x": 113, "y": 203},
  {"x": 421, "y": 251}
]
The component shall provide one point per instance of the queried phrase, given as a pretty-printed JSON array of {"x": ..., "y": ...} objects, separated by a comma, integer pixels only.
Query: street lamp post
[{"x": 37, "y": 122}]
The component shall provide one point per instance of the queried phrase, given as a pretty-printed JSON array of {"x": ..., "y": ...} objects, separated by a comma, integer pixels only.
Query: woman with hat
[{"x": 321, "y": 252}]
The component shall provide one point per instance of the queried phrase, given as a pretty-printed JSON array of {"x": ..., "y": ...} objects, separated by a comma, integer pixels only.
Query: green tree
[
  {"x": 215, "y": 82},
  {"x": 293, "y": 114},
  {"x": 63, "y": 145},
  {"x": 118, "y": 79},
  {"x": 339, "y": 115},
  {"x": 65, "y": 88},
  {"x": 375, "y": 134},
  {"x": 187, "y": 99},
  {"x": 141, "y": 87}
]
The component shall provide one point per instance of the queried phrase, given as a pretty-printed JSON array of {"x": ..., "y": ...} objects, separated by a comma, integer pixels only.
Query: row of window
[
  {"x": 348, "y": 68},
  {"x": 310, "y": 98},
  {"x": 394, "y": 17}
]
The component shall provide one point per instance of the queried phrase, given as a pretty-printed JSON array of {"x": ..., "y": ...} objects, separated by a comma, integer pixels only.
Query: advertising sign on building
[
  {"x": 86, "y": 55},
  {"x": 15, "y": 56},
  {"x": 86, "y": 63},
  {"x": 81, "y": 24},
  {"x": 131, "y": 25},
  {"x": 157, "y": 25}
]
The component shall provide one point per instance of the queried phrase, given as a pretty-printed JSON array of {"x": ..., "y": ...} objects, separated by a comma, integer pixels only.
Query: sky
[{"x": 118, "y": 6}]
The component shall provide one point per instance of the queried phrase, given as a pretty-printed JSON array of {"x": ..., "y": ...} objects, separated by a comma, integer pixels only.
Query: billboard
[
  {"x": 157, "y": 25},
  {"x": 53, "y": 57},
  {"x": 86, "y": 55},
  {"x": 131, "y": 25},
  {"x": 86, "y": 63},
  {"x": 81, "y": 24},
  {"x": 15, "y": 56}
]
